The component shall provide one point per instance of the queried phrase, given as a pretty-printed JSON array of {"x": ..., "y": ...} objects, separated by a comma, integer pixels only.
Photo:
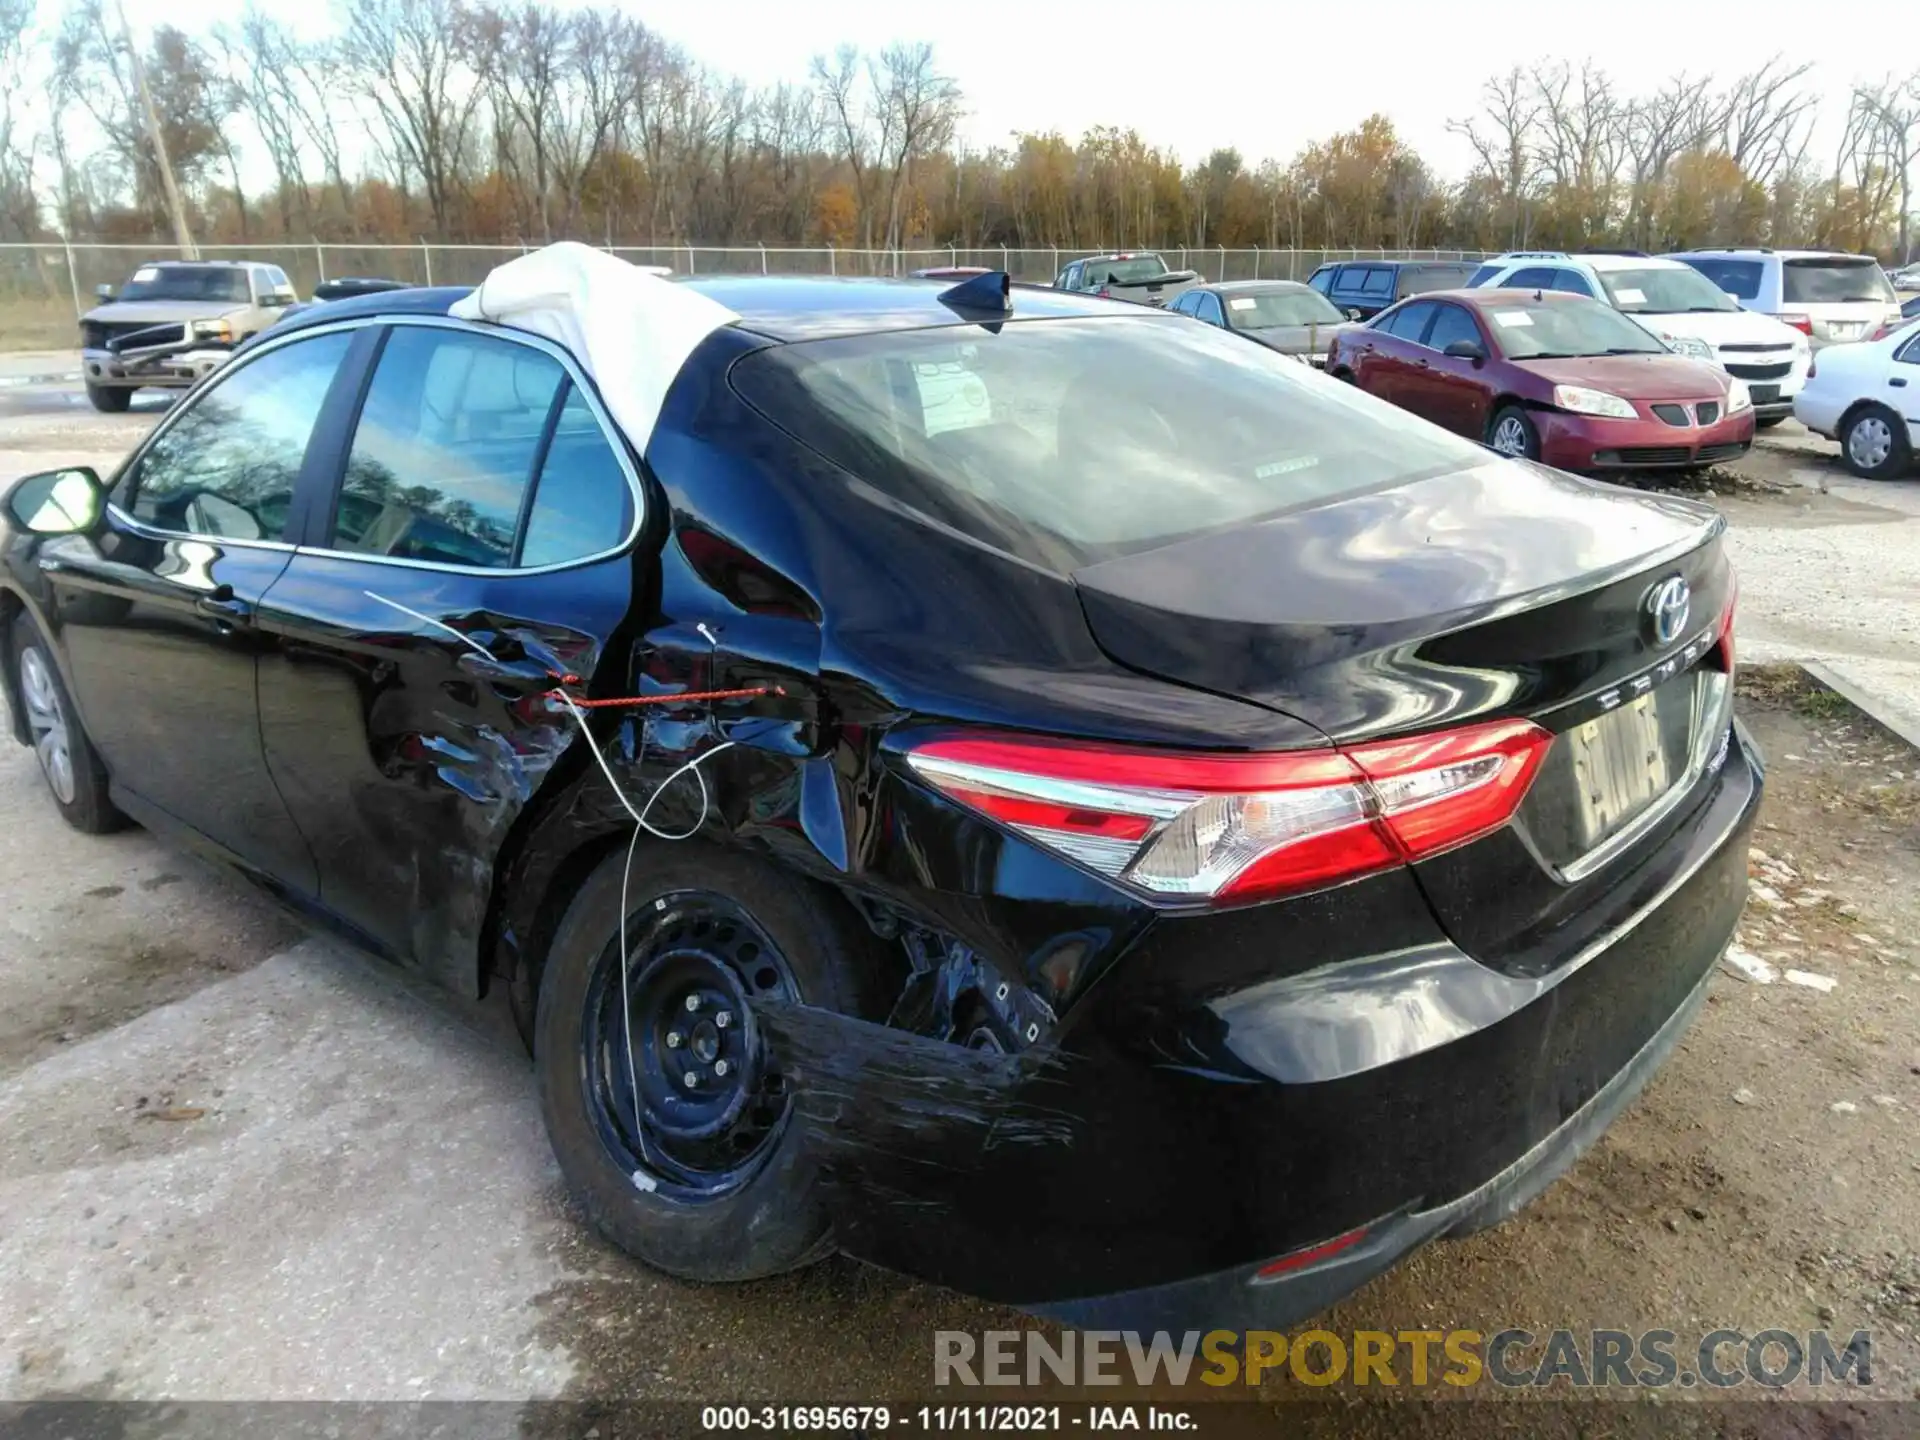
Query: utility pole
[{"x": 181, "y": 235}]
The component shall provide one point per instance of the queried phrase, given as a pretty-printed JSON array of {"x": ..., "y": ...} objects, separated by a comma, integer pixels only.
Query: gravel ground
[{"x": 241, "y": 1165}]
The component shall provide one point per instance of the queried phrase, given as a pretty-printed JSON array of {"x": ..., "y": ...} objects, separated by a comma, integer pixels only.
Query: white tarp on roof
[{"x": 629, "y": 329}]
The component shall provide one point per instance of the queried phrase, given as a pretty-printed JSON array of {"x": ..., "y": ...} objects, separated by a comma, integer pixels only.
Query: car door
[
  {"x": 471, "y": 539},
  {"x": 1391, "y": 351},
  {"x": 1454, "y": 388},
  {"x": 155, "y": 614},
  {"x": 1903, "y": 388}
]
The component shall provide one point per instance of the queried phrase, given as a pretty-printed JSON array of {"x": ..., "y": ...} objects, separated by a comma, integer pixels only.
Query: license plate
[
  {"x": 1763, "y": 394},
  {"x": 1844, "y": 332},
  {"x": 1623, "y": 761}
]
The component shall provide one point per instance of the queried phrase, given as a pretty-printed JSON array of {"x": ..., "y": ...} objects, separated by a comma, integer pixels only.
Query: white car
[
  {"x": 1683, "y": 309},
  {"x": 1867, "y": 396},
  {"x": 1831, "y": 297}
]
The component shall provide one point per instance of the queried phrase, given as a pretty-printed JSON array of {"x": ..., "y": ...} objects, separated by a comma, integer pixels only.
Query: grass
[{"x": 29, "y": 324}]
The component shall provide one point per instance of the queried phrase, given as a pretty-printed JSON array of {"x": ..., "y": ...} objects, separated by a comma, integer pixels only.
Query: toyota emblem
[{"x": 1667, "y": 605}]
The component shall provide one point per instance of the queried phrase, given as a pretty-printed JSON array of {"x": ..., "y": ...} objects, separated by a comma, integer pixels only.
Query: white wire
[{"x": 626, "y": 872}]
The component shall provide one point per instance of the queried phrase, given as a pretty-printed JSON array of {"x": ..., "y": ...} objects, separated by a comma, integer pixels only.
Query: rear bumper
[
  {"x": 1205, "y": 1117},
  {"x": 1590, "y": 442}
]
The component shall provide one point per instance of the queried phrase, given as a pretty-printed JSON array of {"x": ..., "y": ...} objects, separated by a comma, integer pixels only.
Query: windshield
[
  {"x": 1557, "y": 330},
  {"x": 1269, "y": 308},
  {"x": 1662, "y": 291},
  {"x": 1066, "y": 442},
  {"x": 1125, "y": 272},
  {"x": 1834, "y": 280},
  {"x": 186, "y": 282}
]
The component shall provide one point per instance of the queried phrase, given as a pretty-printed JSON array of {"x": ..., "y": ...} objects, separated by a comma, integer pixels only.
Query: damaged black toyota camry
[{"x": 1022, "y": 789}]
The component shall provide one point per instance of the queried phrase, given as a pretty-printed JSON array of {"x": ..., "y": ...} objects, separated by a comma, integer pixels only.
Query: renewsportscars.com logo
[{"x": 1514, "y": 1358}]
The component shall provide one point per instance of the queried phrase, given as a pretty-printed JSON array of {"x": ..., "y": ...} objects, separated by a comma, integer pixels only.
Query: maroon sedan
[{"x": 1548, "y": 376}]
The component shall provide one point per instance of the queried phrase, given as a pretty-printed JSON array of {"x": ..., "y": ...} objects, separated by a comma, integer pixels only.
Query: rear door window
[
  {"x": 1409, "y": 322},
  {"x": 1533, "y": 277},
  {"x": 475, "y": 451},
  {"x": 1738, "y": 278},
  {"x": 1065, "y": 442},
  {"x": 1834, "y": 280},
  {"x": 1376, "y": 282},
  {"x": 1573, "y": 282},
  {"x": 1421, "y": 279}
]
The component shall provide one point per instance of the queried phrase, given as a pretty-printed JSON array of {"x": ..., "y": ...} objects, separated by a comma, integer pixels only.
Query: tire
[
  {"x": 76, "y": 780},
  {"x": 1873, "y": 443},
  {"x": 1767, "y": 422},
  {"x": 774, "y": 1216},
  {"x": 110, "y": 399},
  {"x": 1512, "y": 433}
]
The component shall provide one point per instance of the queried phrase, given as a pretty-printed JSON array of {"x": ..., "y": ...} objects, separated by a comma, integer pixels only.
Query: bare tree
[
  {"x": 1659, "y": 129},
  {"x": 19, "y": 206},
  {"x": 918, "y": 108},
  {"x": 1769, "y": 113},
  {"x": 1890, "y": 117},
  {"x": 1504, "y": 137},
  {"x": 839, "y": 86},
  {"x": 403, "y": 56}
]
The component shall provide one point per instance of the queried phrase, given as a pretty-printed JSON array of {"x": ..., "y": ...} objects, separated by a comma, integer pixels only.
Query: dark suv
[{"x": 1369, "y": 286}]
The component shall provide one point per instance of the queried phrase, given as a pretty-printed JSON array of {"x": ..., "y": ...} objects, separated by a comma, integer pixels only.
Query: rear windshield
[
  {"x": 1125, "y": 272},
  {"x": 1664, "y": 290},
  {"x": 1067, "y": 442},
  {"x": 1557, "y": 330},
  {"x": 1834, "y": 280},
  {"x": 185, "y": 282},
  {"x": 1265, "y": 309},
  {"x": 1418, "y": 279}
]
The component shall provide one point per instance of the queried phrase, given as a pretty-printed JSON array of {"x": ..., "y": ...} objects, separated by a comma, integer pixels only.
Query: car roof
[
  {"x": 1508, "y": 295},
  {"x": 1593, "y": 260},
  {"x": 776, "y": 306}
]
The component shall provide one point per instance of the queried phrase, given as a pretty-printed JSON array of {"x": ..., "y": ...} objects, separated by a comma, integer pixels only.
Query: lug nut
[
  {"x": 723, "y": 1019},
  {"x": 693, "y": 1003},
  {"x": 692, "y": 1079},
  {"x": 720, "y": 1067},
  {"x": 673, "y": 1039}
]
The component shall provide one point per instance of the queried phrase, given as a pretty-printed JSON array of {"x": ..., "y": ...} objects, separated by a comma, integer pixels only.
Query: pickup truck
[
  {"x": 174, "y": 322},
  {"x": 1137, "y": 275}
]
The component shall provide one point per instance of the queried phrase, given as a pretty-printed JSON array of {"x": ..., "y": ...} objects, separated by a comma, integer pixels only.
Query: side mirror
[
  {"x": 103, "y": 292},
  {"x": 1465, "y": 350},
  {"x": 58, "y": 502},
  {"x": 1353, "y": 314}
]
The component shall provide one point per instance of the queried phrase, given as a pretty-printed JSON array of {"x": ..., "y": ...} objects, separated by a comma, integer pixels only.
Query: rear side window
[
  {"x": 1482, "y": 276},
  {"x": 456, "y": 432},
  {"x": 227, "y": 464},
  {"x": 1066, "y": 442},
  {"x": 1421, "y": 279},
  {"x": 1409, "y": 321},
  {"x": 1573, "y": 282},
  {"x": 1739, "y": 278},
  {"x": 1534, "y": 277},
  {"x": 1834, "y": 280}
]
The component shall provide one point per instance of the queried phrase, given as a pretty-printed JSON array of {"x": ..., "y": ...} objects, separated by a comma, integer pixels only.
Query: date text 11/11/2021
[{"x": 871, "y": 1419}]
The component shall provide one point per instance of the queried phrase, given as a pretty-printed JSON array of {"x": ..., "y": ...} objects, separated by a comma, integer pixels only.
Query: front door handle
[{"x": 1897, "y": 381}]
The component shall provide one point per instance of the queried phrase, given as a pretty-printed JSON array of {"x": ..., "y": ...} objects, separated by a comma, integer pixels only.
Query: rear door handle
[
  {"x": 225, "y": 608},
  {"x": 525, "y": 673},
  {"x": 1897, "y": 381}
]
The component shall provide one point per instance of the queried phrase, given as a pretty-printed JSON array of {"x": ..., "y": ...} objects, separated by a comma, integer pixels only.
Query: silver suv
[
  {"x": 1830, "y": 297},
  {"x": 173, "y": 322}
]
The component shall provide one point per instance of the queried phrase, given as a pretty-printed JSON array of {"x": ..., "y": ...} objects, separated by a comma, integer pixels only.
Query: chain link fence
[{"x": 43, "y": 288}]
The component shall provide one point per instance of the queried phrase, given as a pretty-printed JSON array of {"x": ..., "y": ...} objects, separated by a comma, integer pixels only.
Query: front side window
[
  {"x": 1376, "y": 281},
  {"x": 227, "y": 464},
  {"x": 1322, "y": 279},
  {"x": 1452, "y": 325},
  {"x": 1573, "y": 282},
  {"x": 1209, "y": 310},
  {"x": 1067, "y": 442},
  {"x": 470, "y": 451}
]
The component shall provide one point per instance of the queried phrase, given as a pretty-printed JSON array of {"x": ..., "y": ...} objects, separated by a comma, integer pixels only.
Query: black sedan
[{"x": 1027, "y": 790}]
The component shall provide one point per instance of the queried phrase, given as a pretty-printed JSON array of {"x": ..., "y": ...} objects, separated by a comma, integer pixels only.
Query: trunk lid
[{"x": 1502, "y": 590}]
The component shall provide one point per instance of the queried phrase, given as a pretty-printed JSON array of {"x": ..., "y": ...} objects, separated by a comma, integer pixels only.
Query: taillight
[
  {"x": 1240, "y": 827},
  {"x": 1802, "y": 323}
]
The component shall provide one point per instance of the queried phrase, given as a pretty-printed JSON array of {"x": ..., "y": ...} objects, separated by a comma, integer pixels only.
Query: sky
[{"x": 1266, "y": 78}]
